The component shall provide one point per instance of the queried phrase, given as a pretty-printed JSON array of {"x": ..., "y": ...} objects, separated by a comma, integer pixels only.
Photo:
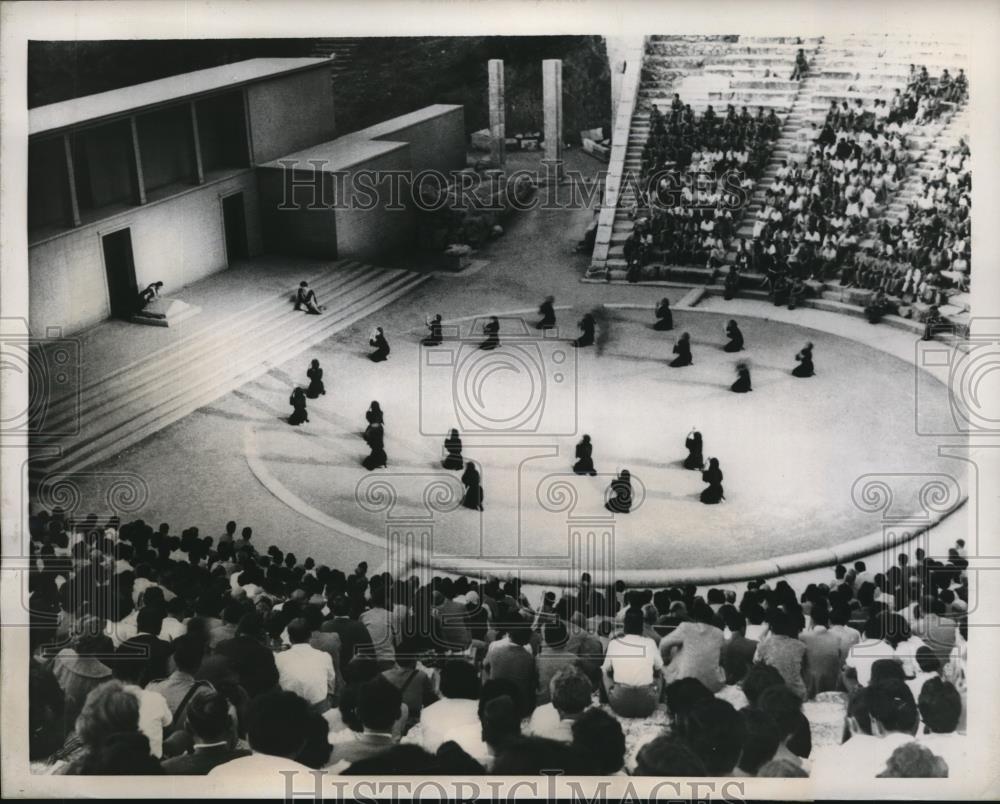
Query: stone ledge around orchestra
[{"x": 164, "y": 312}]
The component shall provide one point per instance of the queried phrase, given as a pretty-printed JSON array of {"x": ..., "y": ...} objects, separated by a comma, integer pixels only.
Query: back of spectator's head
[
  {"x": 153, "y": 596},
  {"x": 886, "y": 669},
  {"x": 274, "y": 723},
  {"x": 121, "y": 754},
  {"x": 555, "y": 634},
  {"x": 459, "y": 679},
  {"x": 251, "y": 624},
  {"x": 783, "y": 769},
  {"x": 758, "y": 678},
  {"x": 188, "y": 653},
  {"x": 634, "y": 621},
  {"x": 666, "y": 756},
  {"x": 570, "y": 691},
  {"x": 209, "y": 717},
  {"x": 940, "y": 706},
  {"x": 783, "y": 706},
  {"x": 149, "y": 620},
  {"x": 232, "y": 612},
  {"x": 501, "y": 720},
  {"x": 684, "y": 694},
  {"x": 379, "y": 704},
  {"x": 299, "y": 631},
  {"x": 914, "y": 761},
  {"x": 927, "y": 660},
  {"x": 760, "y": 739},
  {"x": 713, "y": 730},
  {"x": 531, "y": 756},
  {"x": 108, "y": 709},
  {"x": 890, "y": 703},
  {"x": 599, "y": 737}
]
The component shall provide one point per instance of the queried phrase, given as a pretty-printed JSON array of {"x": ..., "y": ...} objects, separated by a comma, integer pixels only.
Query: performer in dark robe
[
  {"x": 584, "y": 457},
  {"x": 306, "y": 297},
  {"x": 491, "y": 329},
  {"x": 375, "y": 436},
  {"x": 473, "y": 488},
  {"x": 453, "y": 446},
  {"x": 587, "y": 325},
  {"x": 548, "y": 314},
  {"x": 731, "y": 284},
  {"x": 436, "y": 336},
  {"x": 713, "y": 476},
  {"x": 380, "y": 345},
  {"x": 735, "y": 338},
  {"x": 316, "y": 388},
  {"x": 805, "y": 367},
  {"x": 298, "y": 402},
  {"x": 796, "y": 293},
  {"x": 151, "y": 292},
  {"x": 683, "y": 351},
  {"x": 695, "y": 458},
  {"x": 664, "y": 316},
  {"x": 742, "y": 384},
  {"x": 374, "y": 417},
  {"x": 620, "y": 493}
]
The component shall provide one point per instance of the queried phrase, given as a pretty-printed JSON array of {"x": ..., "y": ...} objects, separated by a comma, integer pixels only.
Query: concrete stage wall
[
  {"x": 344, "y": 223},
  {"x": 290, "y": 112},
  {"x": 177, "y": 241}
]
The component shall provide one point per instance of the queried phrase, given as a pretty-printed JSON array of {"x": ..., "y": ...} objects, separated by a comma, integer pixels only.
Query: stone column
[
  {"x": 552, "y": 105},
  {"x": 498, "y": 127}
]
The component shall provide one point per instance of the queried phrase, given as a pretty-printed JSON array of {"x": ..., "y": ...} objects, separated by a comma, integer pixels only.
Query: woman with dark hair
[
  {"x": 735, "y": 343},
  {"x": 453, "y": 446},
  {"x": 316, "y": 388},
  {"x": 584, "y": 457},
  {"x": 683, "y": 351},
  {"x": 298, "y": 402},
  {"x": 695, "y": 458},
  {"x": 713, "y": 476},
  {"x": 473, "y": 487},
  {"x": 381, "y": 346},
  {"x": 742, "y": 384},
  {"x": 587, "y": 326},
  {"x": 805, "y": 367},
  {"x": 620, "y": 493},
  {"x": 491, "y": 329},
  {"x": 664, "y": 316}
]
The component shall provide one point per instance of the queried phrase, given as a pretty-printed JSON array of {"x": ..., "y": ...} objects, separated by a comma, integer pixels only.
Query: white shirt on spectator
[
  {"x": 439, "y": 720},
  {"x": 633, "y": 660},
  {"x": 863, "y": 756},
  {"x": 306, "y": 671},
  {"x": 863, "y": 655},
  {"x": 154, "y": 717}
]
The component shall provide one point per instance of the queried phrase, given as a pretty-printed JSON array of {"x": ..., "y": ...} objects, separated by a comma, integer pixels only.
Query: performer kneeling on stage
[
  {"x": 695, "y": 458},
  {"x": 620, "y": 493},
  {"x": 453, "y": 446},
  {"x": 473, "y": 488},
  {"x": 713, "y": 476},
  {"x": 742, "y": 384},
  {"x": 584, "y": 457}
]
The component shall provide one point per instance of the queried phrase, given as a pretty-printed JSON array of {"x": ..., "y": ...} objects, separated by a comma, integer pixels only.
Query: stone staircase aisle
[{"x": 116, "y": 411}]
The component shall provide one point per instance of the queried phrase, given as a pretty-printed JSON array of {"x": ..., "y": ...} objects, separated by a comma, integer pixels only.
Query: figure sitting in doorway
[{"x": 151, "y": 292}]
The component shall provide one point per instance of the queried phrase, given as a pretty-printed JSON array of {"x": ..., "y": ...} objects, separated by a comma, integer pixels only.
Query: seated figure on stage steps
[
  {"x": 735, "y": 343},
  {"x": 315, "y": 375},
  {"x": 587, "y": 325},
  {"x": 298, "y": 402},
  {"x": 306, "y": 297},
  {"x": 584, "y": 457},
  {"x": 713, "y": 476},
  {"x": 436, "y": 336},
  {"x": 151, "y": 292},
  {"x": 742, "y": 384},
  {"x": 805, "y": 367},
  {"x": 473, "y": 488},
  {"x": 375, "y": 436},
  {"x": 381, "y": 346},
  {"x": 664, "y": 316},
  {"x": 453, "y": 446},
  {"x": 548, "y": 314},
  {"x": 732, "y": 283},
  {"x": 620, "y": 493},
  {"x": 695, "y": 458},
  {"x": 491, "y": 329},
  {"x": 683, "y": 351}
]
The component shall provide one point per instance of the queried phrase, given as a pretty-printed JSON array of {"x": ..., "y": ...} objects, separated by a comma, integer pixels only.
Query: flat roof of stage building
[
  {"x": 138, "y": 97},
  {"x": 359, "y": 146}
]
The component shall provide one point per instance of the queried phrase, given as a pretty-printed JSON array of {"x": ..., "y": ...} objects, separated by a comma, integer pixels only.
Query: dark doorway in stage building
[
  {"x": 235, "y": 223},
  {"x": 120, "y": 268}
]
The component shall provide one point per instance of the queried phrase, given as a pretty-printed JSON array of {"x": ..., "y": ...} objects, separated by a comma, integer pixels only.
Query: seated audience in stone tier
[{"x": 211, "y": 720}]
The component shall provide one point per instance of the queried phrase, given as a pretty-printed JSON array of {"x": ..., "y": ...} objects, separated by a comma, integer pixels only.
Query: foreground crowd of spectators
[
  {"x": 163, "y": 654},
  {"x": 819, "y": 220}
]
